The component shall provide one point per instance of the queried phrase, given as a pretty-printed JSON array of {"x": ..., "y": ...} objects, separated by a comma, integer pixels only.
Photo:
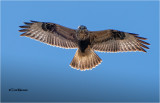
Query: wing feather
[
  {"x": 50, "y": 33},
  {"x": 117, "y": 41}
]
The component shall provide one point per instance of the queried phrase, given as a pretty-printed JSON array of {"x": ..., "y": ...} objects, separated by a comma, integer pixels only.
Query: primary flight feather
[{"x": 86, "y": 41}]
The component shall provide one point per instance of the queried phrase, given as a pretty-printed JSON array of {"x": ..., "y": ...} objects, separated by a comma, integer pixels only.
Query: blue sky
[{"x": 45, "y": 70}]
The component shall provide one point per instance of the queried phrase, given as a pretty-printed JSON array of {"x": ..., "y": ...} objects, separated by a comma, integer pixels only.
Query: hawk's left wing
[
  {"x": 50, "y": 33},
  {"x": 117, "y": 41}
]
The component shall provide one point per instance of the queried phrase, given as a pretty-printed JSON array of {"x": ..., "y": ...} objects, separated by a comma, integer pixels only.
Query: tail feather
[{"x": 85, "y": 61}]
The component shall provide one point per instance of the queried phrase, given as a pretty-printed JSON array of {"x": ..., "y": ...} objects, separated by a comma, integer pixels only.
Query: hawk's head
[
  {"x": 82, "y": 32},
  {"x": 82, "y": 27}
]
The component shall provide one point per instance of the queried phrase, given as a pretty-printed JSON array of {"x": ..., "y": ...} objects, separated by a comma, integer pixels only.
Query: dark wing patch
[
  {"x": 118, "y": 34},
  {"x": 50, "y": 33},
  {"x": 49, "y": 27},
  {"x": 117, "y": 41}
]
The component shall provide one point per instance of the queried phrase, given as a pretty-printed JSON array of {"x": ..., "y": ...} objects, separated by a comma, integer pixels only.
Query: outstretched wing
[
  {"x": 50, "y": 33},
  {"x": 117, "y": 41}
]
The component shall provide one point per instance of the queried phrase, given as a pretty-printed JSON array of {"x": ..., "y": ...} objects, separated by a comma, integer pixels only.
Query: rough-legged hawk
[{"x": 86, "y": 41}]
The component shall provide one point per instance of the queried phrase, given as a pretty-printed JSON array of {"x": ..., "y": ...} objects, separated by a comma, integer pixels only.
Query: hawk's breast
[{"x": 83, "y": 44}]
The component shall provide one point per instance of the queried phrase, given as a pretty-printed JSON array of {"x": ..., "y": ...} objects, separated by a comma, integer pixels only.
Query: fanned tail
[{"x": 85, "y": 61}]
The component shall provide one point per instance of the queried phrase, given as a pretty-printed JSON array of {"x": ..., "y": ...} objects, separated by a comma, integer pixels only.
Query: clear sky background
[{"x": 44, "y": 70}]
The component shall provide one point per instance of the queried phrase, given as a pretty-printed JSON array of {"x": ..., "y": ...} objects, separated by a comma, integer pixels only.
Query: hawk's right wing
[{"x": 50, "y": 33}]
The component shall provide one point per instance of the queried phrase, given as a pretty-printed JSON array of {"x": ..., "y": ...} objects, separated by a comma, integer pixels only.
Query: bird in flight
[{"x": 86, "y": 42}]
